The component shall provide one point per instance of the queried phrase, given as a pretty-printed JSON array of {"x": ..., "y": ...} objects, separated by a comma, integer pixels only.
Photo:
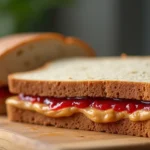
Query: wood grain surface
[{"x": 18, "y": 136}]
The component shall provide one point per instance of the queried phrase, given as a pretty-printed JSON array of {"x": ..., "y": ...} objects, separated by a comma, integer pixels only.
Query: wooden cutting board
[{"x": 17, "y": 136}]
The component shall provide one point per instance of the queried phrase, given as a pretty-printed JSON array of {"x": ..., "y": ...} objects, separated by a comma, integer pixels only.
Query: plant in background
[{"x": 28, "y": 15}]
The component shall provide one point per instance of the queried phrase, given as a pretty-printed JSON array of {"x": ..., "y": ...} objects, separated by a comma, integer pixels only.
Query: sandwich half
[
  {"x": 109, "y": 94},
  {"x": 23, "y": 52}
]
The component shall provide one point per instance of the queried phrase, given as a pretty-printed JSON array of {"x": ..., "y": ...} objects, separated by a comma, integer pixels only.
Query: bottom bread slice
[{"x": 79, "y": 121}]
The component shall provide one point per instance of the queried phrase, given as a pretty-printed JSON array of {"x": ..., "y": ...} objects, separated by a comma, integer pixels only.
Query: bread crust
[
  {"x": 79, "y": 121},
  {"x": 110, "y": 89},
  {"x": 12, "y": 42}
]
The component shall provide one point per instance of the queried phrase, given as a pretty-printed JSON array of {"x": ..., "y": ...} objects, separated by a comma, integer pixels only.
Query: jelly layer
[{"x": 83, "y": 102}]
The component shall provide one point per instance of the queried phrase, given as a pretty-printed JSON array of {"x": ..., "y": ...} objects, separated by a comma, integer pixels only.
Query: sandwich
[
  {"x": 110, "y": 94},
  {"x": 23, "y": 52}
]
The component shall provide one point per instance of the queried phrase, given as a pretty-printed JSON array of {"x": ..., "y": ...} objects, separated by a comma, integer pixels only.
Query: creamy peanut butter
[{"x": 99, "y": 116}]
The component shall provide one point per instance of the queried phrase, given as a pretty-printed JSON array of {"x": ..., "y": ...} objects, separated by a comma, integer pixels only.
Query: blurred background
[{"x": 111, "y": 27}]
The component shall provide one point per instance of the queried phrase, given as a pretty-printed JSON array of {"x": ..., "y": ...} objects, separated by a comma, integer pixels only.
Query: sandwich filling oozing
[{"x": 101, "y": 110}]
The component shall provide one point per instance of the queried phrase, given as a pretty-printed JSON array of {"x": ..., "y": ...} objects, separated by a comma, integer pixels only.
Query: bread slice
[
  {"x": 79, "y": 121},
  {"x": 114, "y": 77},
  {"x": 24, "y": 52}
]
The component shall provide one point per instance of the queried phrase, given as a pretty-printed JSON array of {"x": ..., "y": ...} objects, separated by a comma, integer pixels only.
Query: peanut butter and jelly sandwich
[{"x": 108, "y": 94}]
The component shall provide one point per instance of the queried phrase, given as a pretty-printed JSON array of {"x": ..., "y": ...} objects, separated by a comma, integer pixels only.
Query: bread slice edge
[{"x": 109, "y": 89}]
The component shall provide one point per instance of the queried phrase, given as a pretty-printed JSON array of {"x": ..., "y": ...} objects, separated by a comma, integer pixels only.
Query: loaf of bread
[{"x": 24, "y": 52}]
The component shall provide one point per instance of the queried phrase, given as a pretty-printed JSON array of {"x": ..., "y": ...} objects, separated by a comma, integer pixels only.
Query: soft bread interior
[
  {"x": 132, "y": 69},
  {"x": 33, "y": 54}
]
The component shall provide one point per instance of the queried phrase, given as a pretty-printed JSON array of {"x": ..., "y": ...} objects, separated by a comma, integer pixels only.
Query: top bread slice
[
  {"x": 112, "y": 77},
  {"x": 23, "y": 52}
]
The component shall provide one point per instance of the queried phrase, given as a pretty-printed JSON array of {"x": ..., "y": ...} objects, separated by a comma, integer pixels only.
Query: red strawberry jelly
[
  {"x": 4, "y": 92},
  {"x": 84, "y": 102}
]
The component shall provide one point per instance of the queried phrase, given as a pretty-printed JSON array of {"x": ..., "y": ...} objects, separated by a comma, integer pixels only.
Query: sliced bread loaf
[
  {"x": 23, "y": 52},
  {"x": 95, "y": 77}
]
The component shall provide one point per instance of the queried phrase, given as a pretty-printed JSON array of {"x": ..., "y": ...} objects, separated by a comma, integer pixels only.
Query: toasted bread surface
[
  {"x": 115, "y": 77},
  {"x": 79, "y": 121}
]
